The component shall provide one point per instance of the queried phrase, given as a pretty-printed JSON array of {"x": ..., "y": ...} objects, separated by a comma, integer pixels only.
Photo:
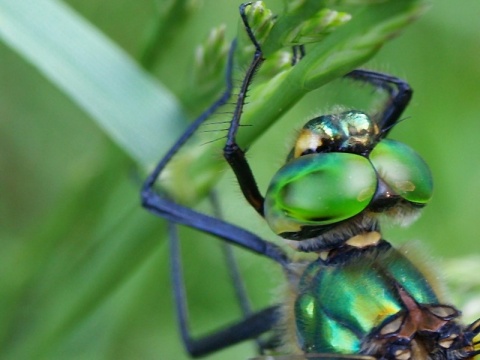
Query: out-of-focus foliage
[{"x": 70, "y": 194}]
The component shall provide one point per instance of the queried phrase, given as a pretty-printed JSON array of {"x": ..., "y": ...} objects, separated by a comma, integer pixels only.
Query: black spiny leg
[
  {"x": 232, "y": 152},
  {"x": 234, "y": 271},
  {"x": 399, "y": 92},
  {"x": 251, "y": 327},
  {"x": 165, "y": 208}
]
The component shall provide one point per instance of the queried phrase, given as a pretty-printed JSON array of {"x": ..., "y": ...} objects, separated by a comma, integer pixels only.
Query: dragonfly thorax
[
  {"x": 337, "y": 308},
  {"x": 349, "y": 131}
]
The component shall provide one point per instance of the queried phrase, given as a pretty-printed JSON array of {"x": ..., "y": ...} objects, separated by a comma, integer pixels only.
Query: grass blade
[{"x": 132, "y": 108}]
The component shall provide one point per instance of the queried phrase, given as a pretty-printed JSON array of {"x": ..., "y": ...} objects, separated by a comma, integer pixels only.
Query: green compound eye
[
  {"x": 319, "y": 189},
  {"x": 403, "y": 170}
]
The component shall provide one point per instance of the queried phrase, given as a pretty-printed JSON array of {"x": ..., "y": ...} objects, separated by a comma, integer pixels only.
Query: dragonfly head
[{"x": 342, "y": 173}]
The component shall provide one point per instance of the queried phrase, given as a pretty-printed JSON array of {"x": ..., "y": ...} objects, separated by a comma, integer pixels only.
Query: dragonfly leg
[
  {"x": 399, "y": 92},
  {"x": 254, "y": 323},
  {"x": 234, "y": 155},
  {"x": 250, "y": 327},
  {"x": 222, "y": 100},
  {"x": 180, "y": 214},
  {"x": 232, "y": 152},
  {"x": 161, "y": 206},
  {"x": 234, "y": 272}
]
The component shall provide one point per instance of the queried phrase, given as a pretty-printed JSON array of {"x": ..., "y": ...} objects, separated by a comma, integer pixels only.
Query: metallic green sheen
[
  {"x": 409, "y": 277},
  {"x": 333, "y": 339},
  {"x": 319, "y": 189},
  {"x": 403, "y": 170},
  {"x": 346, "y": 129},
  {"x": 341, "y": 129},
  {"x": 341, "y": 304}
]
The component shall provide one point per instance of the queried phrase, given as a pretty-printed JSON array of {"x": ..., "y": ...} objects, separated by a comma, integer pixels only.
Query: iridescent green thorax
[
  {"x": 350, "y": 131},
  {"x": 338, "y": 169},
  {"x": 367, "y": 300}
]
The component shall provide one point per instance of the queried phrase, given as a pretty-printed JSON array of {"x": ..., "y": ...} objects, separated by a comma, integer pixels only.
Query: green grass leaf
[{"x": 134, "y": 109}]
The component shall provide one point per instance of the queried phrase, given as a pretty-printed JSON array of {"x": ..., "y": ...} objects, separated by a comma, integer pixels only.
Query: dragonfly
[{"x": 350, "y": 293}]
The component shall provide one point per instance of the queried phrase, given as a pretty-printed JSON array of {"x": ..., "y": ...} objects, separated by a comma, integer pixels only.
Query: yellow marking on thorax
[
  {"x": 306, "y": 140},
  {"x": 365, "y": 239},
  {"x": 323, "y": 255}
]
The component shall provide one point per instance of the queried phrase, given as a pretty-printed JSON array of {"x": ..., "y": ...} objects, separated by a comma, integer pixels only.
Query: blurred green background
[{"x": 69, "y": 209}]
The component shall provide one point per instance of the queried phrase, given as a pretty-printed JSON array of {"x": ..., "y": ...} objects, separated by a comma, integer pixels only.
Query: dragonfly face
[{"x": 341, "y": 167}]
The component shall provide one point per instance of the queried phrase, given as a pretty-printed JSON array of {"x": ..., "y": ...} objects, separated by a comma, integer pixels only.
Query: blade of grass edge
[{"x": 134, "y": 109}]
